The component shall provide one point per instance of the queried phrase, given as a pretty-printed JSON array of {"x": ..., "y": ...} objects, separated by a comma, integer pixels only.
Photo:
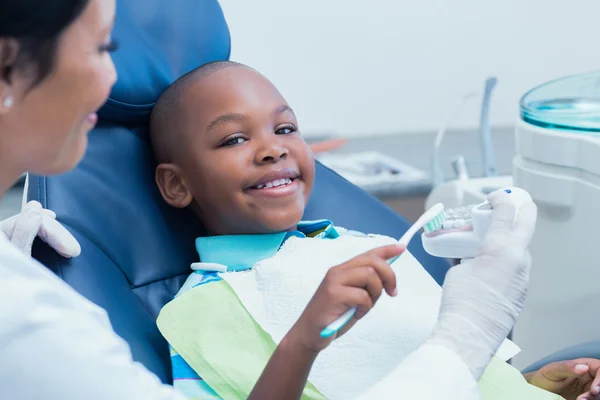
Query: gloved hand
[
  {"x": 33, "y": 221},
  {"x": 483, "y": 296}
]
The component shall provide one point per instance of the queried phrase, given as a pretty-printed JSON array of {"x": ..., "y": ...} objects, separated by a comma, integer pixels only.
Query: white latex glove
[
  {"x": 483, "y": 296},
  {"x": 33, "y": 221}
]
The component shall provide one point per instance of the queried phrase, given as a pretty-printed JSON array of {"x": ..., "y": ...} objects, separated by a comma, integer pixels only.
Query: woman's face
[{"x": 45, "y": 129}]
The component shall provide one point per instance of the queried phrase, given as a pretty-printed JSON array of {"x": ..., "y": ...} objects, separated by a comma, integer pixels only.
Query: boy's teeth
[{"x": 275, "y": 183}]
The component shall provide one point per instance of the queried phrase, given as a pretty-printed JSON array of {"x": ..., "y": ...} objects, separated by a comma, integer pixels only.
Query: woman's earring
[{"x": 8, "y": 102}]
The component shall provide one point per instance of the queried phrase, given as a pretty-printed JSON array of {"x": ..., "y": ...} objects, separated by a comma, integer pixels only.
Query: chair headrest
[{"x": 159, "y": 42}]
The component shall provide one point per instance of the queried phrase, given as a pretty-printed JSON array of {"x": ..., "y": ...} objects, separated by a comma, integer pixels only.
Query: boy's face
[{"x": 243, "y": 168}]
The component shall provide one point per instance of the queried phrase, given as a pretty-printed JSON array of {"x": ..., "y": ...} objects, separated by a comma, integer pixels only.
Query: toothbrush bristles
[{"x": 436, "y": 223}]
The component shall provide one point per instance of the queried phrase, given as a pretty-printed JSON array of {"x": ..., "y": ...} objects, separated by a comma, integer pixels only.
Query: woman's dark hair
[{"x": 37, "y": 25}]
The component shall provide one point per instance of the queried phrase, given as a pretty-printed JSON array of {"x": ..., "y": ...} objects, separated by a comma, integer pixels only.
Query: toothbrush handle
[
  {"x": 339, "y": 323},
  {"x": 343, "y": 319},
  {"x": 404, "y": 240}
]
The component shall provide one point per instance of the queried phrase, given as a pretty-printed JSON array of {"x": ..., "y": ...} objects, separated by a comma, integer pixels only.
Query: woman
[{"x": 55, "y": 72}]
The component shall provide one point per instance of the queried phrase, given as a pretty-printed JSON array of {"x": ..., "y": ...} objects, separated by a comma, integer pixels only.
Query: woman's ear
[
  {"x": 172, "y": 186},
  {"x": 9, "y": 49}
]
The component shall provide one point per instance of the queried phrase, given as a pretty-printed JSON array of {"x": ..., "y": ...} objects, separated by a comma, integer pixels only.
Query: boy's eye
[
  {"x": 233, "y": 141},
  {"x": 285, "y": 130}
]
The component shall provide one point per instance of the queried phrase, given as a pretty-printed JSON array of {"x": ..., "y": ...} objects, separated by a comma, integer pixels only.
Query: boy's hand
[
  {"x": 573, "y": 379},
  {"x": 358, "y": 282}
]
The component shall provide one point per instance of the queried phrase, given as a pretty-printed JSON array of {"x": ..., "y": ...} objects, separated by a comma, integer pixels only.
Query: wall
[{"x": 383, "y": 66}]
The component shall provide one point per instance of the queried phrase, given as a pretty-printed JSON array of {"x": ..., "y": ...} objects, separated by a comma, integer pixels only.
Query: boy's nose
[{"x": 271, "y": 152}]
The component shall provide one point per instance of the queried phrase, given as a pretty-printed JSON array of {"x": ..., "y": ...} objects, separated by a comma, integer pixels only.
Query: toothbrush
[{"x": 430, "y": 221}]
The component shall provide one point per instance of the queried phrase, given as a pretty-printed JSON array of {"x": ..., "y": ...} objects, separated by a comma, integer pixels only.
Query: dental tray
[{"x": 374, "y": 171}]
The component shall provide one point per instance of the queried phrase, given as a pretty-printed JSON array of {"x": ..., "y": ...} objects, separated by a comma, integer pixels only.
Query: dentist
[{"x": 55, "y": 72}]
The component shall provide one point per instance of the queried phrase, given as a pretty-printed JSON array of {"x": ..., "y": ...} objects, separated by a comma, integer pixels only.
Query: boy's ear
[{"x": 172, "y": 186}]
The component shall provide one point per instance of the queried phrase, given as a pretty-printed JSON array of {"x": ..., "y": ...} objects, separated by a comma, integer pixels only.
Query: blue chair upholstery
[{"x": 136, "y": 250}]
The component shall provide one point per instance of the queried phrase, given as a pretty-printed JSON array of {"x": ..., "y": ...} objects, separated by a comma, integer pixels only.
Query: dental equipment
[
  {"x": 436, "y": 172},
  {"x": 459, "y": 164},
  {"x": 484, "y": 134},
  {"x": 464, "y": 228},
  {"x": 557, "y": 161}
]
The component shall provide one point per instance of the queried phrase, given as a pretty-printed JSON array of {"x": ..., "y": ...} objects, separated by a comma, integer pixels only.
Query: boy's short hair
[{"x": 165, "y": 135}]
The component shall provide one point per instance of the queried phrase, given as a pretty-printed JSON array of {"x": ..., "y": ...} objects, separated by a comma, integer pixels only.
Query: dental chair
[{"x": 136, "y": 250}]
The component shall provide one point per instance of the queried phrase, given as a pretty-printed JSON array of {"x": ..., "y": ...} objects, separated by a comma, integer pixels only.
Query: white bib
[{"x": 276, "y": 291}]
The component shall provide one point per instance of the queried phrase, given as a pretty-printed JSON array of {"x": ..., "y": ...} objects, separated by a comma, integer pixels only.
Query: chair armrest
[{"x": 584, "y": 350}]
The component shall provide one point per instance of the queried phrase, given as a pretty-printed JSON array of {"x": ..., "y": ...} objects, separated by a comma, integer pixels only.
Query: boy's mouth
[
  {"x": 276, "y": 178},
  {"x": 279, "y": 188},
  {"x": 282, "y": 182},
  {"x": 274, "y": 184}
]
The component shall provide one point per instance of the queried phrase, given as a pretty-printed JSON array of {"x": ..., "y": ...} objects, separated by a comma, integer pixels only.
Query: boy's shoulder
[
  {"x": 209, "y": 272},
  {"x": 325, "y": 228},
  {"x": 350, "y": 232},
  {"x": 198, "y": 278}
]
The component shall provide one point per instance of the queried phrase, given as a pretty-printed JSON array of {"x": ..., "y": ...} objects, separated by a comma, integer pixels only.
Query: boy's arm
[
  {"x": 355, "y": 283},
  {"x": 286, "y": 373}
]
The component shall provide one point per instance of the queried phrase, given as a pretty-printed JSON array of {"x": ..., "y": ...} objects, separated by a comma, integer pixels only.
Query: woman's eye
[
  {"x": 234, "y": 141},
  {"x": 286, "y": 130},
  {"x": 109, "y": 47}
]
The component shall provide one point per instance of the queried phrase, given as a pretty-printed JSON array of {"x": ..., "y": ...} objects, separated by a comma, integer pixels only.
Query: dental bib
[{"x": 276, "y": 291}]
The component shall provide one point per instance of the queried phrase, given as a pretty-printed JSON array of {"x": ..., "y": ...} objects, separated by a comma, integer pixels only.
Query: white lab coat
[{"x": 55, "y": 344}]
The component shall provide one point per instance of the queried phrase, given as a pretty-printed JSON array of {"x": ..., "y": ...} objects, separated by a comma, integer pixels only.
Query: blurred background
[
  {"x": 385, "y": 75},
  {"x": 390, "y": 67}
]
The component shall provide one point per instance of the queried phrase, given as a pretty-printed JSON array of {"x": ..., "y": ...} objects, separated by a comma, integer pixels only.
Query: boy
[{"x": 228, "y": 147}]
